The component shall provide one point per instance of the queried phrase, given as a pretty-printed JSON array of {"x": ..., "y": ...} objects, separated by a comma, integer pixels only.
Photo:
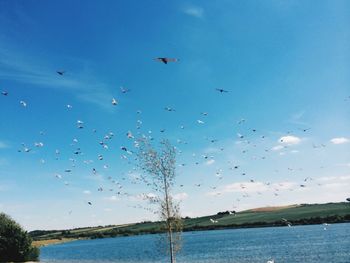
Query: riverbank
[{"x": 46, "y": 242}]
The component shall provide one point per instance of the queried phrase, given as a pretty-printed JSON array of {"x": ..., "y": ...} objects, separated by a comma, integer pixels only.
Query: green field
[{"x": 261, "y": 217}]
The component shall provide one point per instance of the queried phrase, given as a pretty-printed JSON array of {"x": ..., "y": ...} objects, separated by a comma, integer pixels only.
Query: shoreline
[
  {"x": 48, "y": 242},
  {"x": 54, "y": 241}
]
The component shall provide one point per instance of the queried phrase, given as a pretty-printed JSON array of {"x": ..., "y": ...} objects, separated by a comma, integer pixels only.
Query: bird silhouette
[
  {"x": 166, "y": 60},
  {"x": 221, "y": 90},
  {"x": 60, "y": 72}
]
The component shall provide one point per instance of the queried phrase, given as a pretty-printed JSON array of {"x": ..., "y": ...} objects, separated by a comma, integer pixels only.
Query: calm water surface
[{"x": 283, "y": 244}]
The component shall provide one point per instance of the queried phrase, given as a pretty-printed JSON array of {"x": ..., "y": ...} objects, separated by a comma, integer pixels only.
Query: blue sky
[{"x": 284, "y": 63}]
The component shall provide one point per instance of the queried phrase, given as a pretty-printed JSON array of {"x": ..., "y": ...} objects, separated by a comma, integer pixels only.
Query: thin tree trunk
[
  {"x": 172, "y": 258},
  {"x": 171, "y": 248}
]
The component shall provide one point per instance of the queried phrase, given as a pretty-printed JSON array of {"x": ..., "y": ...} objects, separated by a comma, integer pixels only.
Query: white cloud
[
  {"x": 210, "y": 162},
  {"x": 112, "y": 198},
  {"x": 334, "y": 178},
  {"x": 277, "y": 148},
  {"x": 180, "y": 196},
  {"x": 289, "y": 140},
  {"x": 194, "y": 11},
  {"x": 339, "y": 140}
]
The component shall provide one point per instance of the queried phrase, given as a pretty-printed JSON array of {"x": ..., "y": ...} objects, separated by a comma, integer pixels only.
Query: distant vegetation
[
  {"x": 303, "y": 214},
  {"x": 15, "y": 243}
]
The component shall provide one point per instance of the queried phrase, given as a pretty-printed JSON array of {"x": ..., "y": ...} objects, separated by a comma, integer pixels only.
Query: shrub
[{"x": 15, "y": 243}]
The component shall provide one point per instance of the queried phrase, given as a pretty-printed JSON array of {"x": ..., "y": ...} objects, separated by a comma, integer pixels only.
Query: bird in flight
[
  {"x": 169, "y": 109},
  {"x": 124, "y": 90},
  {"x": 60, "y": 72},
  {"x": 114, "y": 102},
  {"x": 221, "y": 90},
  {"x": 166, "y": 60},
  {"x": 5, "y": 93}
]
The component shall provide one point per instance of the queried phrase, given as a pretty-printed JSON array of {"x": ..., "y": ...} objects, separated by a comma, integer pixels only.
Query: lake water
[{"x": 283, "y": 244}]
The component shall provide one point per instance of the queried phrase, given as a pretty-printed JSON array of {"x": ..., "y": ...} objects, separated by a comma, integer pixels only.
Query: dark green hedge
[{"x": 15, "y": 243}]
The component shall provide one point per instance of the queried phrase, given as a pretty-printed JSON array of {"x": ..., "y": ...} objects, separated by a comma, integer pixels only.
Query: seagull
[
  {"x": 114, "y": 102},
  {"x": 241, "y": 121},
  {"x": 166, "y": 60},
  {"x": 69, "y": 106},
  {"x": 25, "y": 149},
  {"x": 169, "y": 109},
  {"x": 305, "y": 130},
  {"x": 289, "y": 224},
  {"x": 129, "y": 135},
  {"x": 23, "y": 103},
  {"x": 5, "y": 93},
  {"x": 200, "y": 121},
  {"x": 124, "y": 90},
  {"x": 221, "y": 90},
  {"x": 89, "y": 203},
  {"x": 60, "y": 72},
  {"x": 213, "y": 221}
]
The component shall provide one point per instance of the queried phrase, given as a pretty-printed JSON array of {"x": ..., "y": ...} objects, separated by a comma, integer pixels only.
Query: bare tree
[{"x": 159, "y": 173}]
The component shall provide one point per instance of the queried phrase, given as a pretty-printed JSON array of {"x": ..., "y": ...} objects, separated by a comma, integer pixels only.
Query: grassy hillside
[{"x": 268, "y": 216}]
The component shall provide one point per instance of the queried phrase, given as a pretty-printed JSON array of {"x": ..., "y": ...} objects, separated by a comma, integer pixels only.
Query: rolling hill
[{"x": 259, "y": 217}]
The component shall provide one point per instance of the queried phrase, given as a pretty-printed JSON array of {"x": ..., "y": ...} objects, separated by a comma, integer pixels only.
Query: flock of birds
[{"x": 247, "y": 143}]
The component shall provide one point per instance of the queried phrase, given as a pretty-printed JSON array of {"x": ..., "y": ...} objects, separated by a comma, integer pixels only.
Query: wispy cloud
[
  {"x": 3, "y": 161},
  {"x": 297, "y": 118},
  {"x": 15, "y": 65},
  {"x": 180, "y": 196},
  {"x": 277, "y": 148},
  {"x": 194, "y": 11},
  {"x": 112, "y": 198},
  {"x": 339, "y": 140},
  {"x": 210, "y": 162},
  {"x": 247, "y": 187},
  {"x": 3, "y": 145}
]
